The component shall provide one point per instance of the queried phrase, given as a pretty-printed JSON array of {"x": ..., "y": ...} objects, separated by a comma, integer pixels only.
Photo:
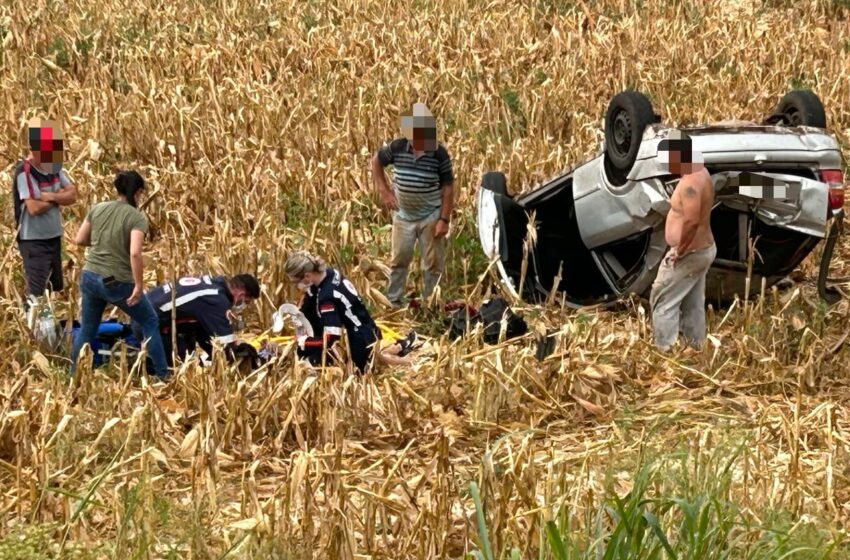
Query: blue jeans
[{"x": 96, "y": 295}]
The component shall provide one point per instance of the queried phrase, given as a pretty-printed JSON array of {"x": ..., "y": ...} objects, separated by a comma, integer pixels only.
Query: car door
[
  {"x": 620, "y": 225},
  {"x": 502, "y": 225}
]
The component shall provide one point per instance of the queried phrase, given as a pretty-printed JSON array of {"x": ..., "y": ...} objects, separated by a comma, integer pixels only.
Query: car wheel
[
  {"x": 495, "y": 181},
  {"x": 628, "y": 114},
  {"x": 799, "y": 108}
]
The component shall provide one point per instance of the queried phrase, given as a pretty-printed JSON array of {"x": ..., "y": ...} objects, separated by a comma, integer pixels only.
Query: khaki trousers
[
  {"x": 405, "y": 236},
  {"x": 678, "y": 298}
]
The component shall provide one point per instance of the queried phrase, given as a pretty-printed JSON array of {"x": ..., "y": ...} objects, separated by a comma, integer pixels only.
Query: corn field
[{"x": 253, "y": 124}]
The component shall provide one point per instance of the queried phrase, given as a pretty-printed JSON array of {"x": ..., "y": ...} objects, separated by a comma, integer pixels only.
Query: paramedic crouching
[
  {"x": 331, "y": 304},
  {"x": 202, "y": 306}
]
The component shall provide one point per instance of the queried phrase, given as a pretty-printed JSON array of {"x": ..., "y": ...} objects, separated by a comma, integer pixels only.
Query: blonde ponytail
[{"x": 300, "y": 263}]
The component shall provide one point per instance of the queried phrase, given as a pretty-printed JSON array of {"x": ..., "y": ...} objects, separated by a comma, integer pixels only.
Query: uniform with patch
[
  {"x": 330, "y": 307},
  {"x": 201, "y": 302}
]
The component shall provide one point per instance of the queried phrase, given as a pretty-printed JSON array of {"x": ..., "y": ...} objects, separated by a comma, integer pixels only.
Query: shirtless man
[{"x": 678, "y": 293}]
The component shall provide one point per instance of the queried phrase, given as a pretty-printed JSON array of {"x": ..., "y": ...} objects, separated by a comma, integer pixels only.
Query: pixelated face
[
  {"x": 421, "y": 131},
  {"x": 47, "y": 144},
  {"x": 678, "y": 156}
]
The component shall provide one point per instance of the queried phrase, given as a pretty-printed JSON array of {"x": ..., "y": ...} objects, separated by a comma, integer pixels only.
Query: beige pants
[
  {"x": 405, "y": 236},
  {"x": 678, "y": 298}
]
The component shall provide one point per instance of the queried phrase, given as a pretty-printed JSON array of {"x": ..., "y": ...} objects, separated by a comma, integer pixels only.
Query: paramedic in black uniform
[
  {"x": 203, "y": 306},
  {"x": 331, "y": 304}
]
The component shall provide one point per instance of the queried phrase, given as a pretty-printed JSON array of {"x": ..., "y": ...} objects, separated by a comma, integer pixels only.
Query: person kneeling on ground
[
  {"x": 113, "y": 274},
  {"x": 203, "y": 306},
  {"x": 331, "y": 303}
]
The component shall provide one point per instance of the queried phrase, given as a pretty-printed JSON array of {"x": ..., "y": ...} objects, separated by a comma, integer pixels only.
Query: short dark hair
[
  {"x": 248, "y": 283},
  {"x": 678, "y": 142}
]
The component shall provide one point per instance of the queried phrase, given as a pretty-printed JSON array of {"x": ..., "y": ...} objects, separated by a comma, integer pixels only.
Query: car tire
[
  {"x": 800, "y": 107},
  {"x": 495, "y": 181},
  {"x": 628, "y": 114}
]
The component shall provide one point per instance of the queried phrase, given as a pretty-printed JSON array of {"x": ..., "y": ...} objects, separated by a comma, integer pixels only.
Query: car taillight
[{"x": 834, "y": 179}]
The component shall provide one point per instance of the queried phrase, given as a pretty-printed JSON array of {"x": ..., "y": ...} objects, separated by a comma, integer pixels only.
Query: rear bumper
[{"x": 828, "y": 294}]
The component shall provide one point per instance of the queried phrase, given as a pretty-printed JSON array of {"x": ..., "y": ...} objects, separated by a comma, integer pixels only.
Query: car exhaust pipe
[{"x": 829, "y": 294}]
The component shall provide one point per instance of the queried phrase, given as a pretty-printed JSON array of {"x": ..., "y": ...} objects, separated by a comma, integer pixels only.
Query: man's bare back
[{"x": 688, "y": 225}]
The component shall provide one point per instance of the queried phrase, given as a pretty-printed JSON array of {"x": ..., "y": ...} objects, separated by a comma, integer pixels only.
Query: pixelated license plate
[{"x": 754, "y": 185}]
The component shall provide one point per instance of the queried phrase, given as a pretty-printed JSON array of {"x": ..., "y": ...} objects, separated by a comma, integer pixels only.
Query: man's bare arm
[
  {"x": 691, "y": 206},
  {"x": 380, "y": 179},
  {"x": 66, "y": 196},
  {"x": 448, "y": 200},
  {"x": 36, "y": 207},
  {"x": 378, "y": 175}
]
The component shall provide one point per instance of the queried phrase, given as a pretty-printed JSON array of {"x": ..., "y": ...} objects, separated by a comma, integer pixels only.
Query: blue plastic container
[{"x": 109, "y": 334}]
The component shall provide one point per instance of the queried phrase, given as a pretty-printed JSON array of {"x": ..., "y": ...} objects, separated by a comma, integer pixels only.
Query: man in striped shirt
[{"x": 422, "y": 198}]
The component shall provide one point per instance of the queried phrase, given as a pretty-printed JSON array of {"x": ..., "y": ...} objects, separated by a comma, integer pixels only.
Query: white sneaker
[{"x": 31, "y": 308}]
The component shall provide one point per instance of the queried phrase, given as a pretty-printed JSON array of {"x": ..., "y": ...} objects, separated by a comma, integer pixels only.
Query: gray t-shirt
[{"x": 30, "y": 185}]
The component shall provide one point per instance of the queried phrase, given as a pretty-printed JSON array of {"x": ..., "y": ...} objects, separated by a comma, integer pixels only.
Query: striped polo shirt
[{"x": 417, "y": 182}]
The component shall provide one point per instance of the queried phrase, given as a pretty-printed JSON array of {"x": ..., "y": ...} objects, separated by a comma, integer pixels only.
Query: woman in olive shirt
[{"x": 114, "y": 232}]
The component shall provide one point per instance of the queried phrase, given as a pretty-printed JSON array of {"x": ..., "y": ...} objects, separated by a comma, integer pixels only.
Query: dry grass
[{"x": 254, "y": 123}]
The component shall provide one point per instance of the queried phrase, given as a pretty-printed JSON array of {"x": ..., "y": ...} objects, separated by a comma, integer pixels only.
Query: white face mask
[
  {"x": 304, "y": 286},
  {"x": 239, "y": 308}
]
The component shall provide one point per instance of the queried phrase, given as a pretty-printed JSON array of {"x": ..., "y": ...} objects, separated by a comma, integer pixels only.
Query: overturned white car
[{"x": 600, "y": 226}]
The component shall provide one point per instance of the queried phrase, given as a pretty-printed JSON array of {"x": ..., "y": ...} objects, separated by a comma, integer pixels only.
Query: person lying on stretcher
[{"x": 329, "y": 305}]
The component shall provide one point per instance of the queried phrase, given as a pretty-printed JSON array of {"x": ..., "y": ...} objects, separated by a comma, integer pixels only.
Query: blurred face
[
  {"x": 47, "y": 145},
  {"x": 678, "y": 156},
  {"x": 424, "y": 139},
  {"x": 421, "y": 131},
  {"x": 674, "y": 163},
  {"x": 683, "y": 164}
]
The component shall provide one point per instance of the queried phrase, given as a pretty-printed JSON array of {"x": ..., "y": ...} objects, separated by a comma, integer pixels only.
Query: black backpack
[
  {"x": 491, "y": 314},
  {"x": 16, "y": 196},
  {"x": 461, "y": 319}
]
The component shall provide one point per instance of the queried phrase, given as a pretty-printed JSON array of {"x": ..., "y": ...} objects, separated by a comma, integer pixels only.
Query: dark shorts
[{"x": 42, "y": 264}]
